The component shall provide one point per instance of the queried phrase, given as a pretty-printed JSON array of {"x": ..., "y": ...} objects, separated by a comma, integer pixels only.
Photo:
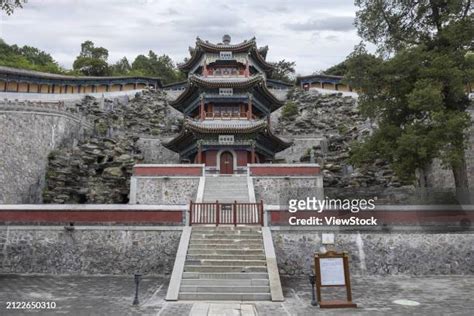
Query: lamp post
[
  {"x": 137, "y": 282},
  {"x": 313, "y": 281}
]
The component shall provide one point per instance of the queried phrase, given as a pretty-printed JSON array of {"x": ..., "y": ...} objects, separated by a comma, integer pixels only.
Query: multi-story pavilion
[{"x": 227, "y": 107}]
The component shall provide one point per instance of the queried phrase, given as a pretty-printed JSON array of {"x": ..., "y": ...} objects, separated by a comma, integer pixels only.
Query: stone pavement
[{"x": 113, "y": 295}]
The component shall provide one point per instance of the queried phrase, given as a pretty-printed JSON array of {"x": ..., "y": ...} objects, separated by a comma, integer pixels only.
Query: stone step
[
  {"x": 224, "y": 235},
  {"x": 225, "y": 257},
  {"x": 225, "y": 282},
  {"x": 225, "y": 296},
  {"x": 232, "y": 185},
  {"x": 226, "y": 262},
  {"x": 225, "y": 276},
  {"x": 227, "y": 241},
  {"x": 225, "y": 199},
  {"x": 218, "y": 229},
  {"x": 226, "y": 187},
  {"x": 227, "y": 179},
  {"x": 213, "y": 268},
  {"x": 225, "y": 251},
  {"x": 228, "y": 234},
  {"x": 217, "y": 194},
  {"x": 240, "y": 246},
  {"x": 227, "y": 191},
  {"x": 229, "y": 288}
]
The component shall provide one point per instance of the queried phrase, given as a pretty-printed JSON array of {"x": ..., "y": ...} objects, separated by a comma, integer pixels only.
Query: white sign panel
[
  {"x": 225, "y": 55},
  {"x": 226, "y": 91},
  {"x": 226, "y": 139},
  {"x": 332, "y": 271},
  {"x": 328, "y": 239}
]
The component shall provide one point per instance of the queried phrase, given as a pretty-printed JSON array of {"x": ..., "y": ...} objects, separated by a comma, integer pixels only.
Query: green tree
[
  {"x": 289, "y": 111},
  {"x": 120, "y": 68},
  {"x": 92, "y": 61},
  {"x": 10, "y": 5},
  {"x": 415, "y": 88},
  {"x": 337, "y": 70},
  {"x": 157, "y": 66},
  {"x": 27, "y": 57},
  {"x": 284, "y": 71}
]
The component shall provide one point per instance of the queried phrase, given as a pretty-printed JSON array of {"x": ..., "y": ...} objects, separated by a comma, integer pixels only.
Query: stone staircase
[
  {"x": 226, "y": 189},
  {"x": 225, "y": 263}
]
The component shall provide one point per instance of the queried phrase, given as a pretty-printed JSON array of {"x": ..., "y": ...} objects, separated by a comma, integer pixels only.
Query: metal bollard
[
  {"x": 137, "y": 282},
  {"x": 313, "y": 295}
]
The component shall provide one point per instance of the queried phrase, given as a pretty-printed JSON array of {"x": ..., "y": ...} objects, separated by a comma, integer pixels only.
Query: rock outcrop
[
  {"x": 98, "y": 169},
  {"x": 335, "y": 121}
]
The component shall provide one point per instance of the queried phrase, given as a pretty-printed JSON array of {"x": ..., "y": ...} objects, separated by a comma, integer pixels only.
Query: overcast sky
[{"x": 315, "y": 33}]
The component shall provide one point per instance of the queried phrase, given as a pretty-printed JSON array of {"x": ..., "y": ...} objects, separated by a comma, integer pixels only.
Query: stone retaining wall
[
  {"x": 152, "y": 250},
  {"x": 278, "y": 190},
  {"x": 26, "y": 139},
  {"x": 98, "y": 250},
  {"x": 376, "y": 253},
  {"x": 163, "y": 190}
]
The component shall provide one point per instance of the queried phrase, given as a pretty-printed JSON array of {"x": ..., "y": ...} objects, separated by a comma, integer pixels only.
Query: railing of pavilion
[
  {"x": 226, "y": 213},
  {"x": 227, "y": 115}
]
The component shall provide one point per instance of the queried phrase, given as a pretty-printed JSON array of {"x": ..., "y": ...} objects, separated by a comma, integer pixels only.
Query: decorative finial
[{"x": 226, "y": 39}]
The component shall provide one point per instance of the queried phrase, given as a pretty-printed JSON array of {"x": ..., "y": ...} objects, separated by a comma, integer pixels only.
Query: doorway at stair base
[{"x": 226, "y": 163}]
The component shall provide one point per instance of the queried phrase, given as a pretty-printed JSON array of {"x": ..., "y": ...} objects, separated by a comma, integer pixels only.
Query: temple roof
[
  {"x": 6, "y": 72},
  {"x": 247, "y": 46},
  {"x": 226, "y": 126},
  {"x": 226, "y": 82},
  {"x": 192, "y": 127},
  {"x": 240, "y": 47},
  {"x": 256, "y": 81}
]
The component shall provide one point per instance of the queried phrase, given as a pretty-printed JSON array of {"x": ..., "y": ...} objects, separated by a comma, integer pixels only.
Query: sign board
[
  {"x": 327, "y": 238},
  {"x": 225, "y": 55},
  {"x": 226, "y": 91},
  {"x": 226, "y": 139},
  {"x": 332, "y": 270}
]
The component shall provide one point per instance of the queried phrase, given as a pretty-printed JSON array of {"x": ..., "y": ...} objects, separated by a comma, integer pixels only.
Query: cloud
[
  {"x": 129, "y": 28},
  {"x": 335, "y": 23}
]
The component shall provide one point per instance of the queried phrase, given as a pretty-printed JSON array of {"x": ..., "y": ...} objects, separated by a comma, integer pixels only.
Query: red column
[
  {"x": 249, "y": 113},
  {"x": 199, "y": 154},
  {"x": 205, "y": 72},
  {"x": 247, "y": 68},
  {"x": 202, "y": 113}
]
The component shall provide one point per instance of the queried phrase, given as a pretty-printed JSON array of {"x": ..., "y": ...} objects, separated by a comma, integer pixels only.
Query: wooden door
[{"x": 227, "y": 163}]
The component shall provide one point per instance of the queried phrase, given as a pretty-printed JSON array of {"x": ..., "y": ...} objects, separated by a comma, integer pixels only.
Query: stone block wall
[
  {"x": 376, "y": 253},
  {"x": 278, "y": 190},
  {"x": 98, "y": 250},
  {"x": 153, "y": 151},
  {"x": 26, "y": 139},
  {"x": 163, "y": 190}
]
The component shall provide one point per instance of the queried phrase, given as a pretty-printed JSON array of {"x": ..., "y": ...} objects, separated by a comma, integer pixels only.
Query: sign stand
[{"x": 332, "y": 270}]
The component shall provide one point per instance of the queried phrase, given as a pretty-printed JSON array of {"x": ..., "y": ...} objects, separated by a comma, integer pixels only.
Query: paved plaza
[{"x": 113, "y": 295}]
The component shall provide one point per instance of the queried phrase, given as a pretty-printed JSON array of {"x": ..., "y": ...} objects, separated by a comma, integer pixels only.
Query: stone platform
[{"x": 113, "y": 295}]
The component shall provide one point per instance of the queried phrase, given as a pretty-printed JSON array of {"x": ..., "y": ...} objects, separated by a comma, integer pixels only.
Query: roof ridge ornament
[{"x": 226, "y": 39}]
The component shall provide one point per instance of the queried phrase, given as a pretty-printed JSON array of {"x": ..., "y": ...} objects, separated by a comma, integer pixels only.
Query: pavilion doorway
[{"x": 226, "y": 163}]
